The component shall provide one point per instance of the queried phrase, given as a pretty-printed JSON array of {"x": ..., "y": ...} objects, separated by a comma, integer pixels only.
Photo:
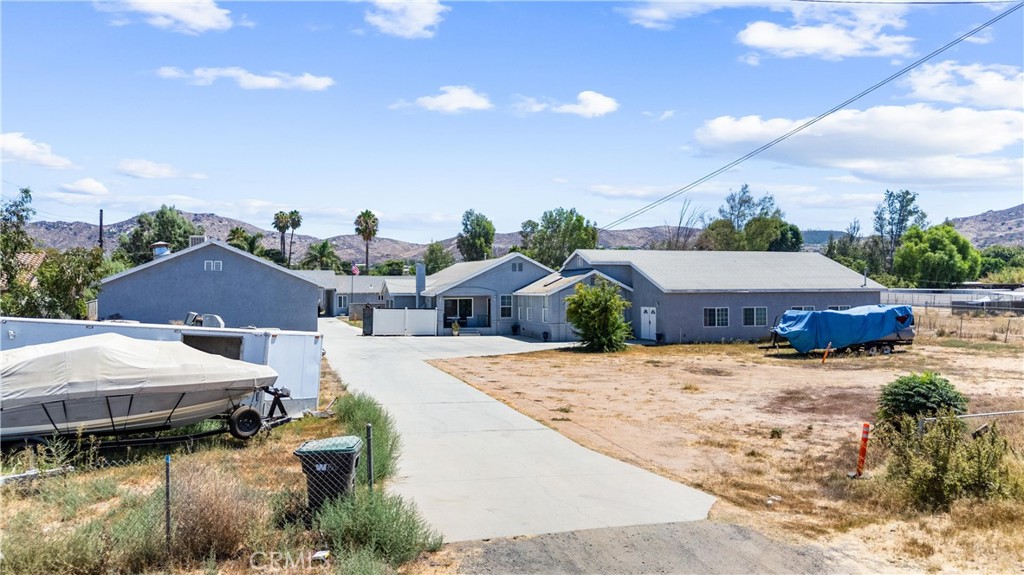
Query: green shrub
[
  {"x": 918, "y": 395},
  {"x": 360, "y": 562},
  {"x": 385, "y": 524},
  {"x": 943, "y": 464},
  {"x": 355, "y": 411},
  {"x": 596, "y": 314}
]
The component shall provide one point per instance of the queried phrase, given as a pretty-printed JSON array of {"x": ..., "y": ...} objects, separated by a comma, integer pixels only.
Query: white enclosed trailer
[{"x": 295, "y": 355}]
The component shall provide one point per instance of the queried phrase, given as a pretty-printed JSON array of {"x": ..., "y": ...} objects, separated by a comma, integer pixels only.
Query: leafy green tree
[
  {"x": 721, "y": 235},
  {"x": 321, "y": 256},
  {"x": 245, "y": 241},
  {"x": 896, "y": 213},
  {"x": 741, "y": 207},
  {"x": 437, "y": 258},
  {"x": 995, "y": 259},
  {"x": 66, "y": 278},
  {"x": 281, "y": 223},
  {"x": 389, "y": 268},
  {"x": 366, "y": 227},
  {"x": 936, "y": 257},
  {"x": 294, "y": 221},
  {"x": 476, "y": 240},
  {"x": 596, "y": 313},
  {"x": 761, "y": 231},
  {"x": 164, "y": 225},
  {"x": 559, "y": 233},
  {"x": 790, "y": 239},
  {"x": 14, "y": 239}
]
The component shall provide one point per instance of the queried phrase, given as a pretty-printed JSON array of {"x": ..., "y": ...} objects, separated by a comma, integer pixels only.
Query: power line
[{"x": 810, "y": 122}]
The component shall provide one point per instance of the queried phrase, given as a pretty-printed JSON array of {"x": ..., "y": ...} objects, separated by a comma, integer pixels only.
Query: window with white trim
[
  {"x": 528, "y": 308},
  {"x": 343, "y": 301},
  {"x": 213, "y": 265},
  {"x": 544, "y": 314},
  {"x": 505, "y": 306},
  {"x": 517, "y": 266},
  {"x": 756, "y": 316},
  {"x": 803, "y": 308},
  {"x": 838, "y": 307},
  {"x": 716, "y": 317}
]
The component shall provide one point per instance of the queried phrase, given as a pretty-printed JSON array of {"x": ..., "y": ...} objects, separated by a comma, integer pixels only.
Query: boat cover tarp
[
  {"x": 807, "y": 330},
  {"x": 113, "y": 364}
]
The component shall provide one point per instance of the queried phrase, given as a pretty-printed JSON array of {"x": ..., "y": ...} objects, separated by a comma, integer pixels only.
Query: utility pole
[{"x": 101, "y": 229}]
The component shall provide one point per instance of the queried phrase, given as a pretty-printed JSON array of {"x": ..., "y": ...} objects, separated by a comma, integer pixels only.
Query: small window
[
  {"x": 803, "y": 308},
  {"x": 528, "y": 313},
  {"x": 838, "y": 307},
  {"x": 755, "y": 316},
  {"x": 505, "y": 305},
  {"x": 544, "y": 314},
  {"x": 213, "y": 265},
  {"x": 517, "y": 266},
  {"x": 716, "y": 317},
  {"x": 342, "y": 301}
]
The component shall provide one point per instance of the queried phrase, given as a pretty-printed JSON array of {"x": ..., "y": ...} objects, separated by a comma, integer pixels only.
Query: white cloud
[
  {"x": 16, "y": 147},
  {"x": 406, "y": 19},
  {"x": 147, "y": 170},
  {"x": 631, "y": 192},
  {"x": 561, "y": 180},
  {"x": 86, "y": 186},
  {"x": 990, "y": 86},
  {"x": 191, "y": 17},
  {"x": 667, "y": 114},
  {"x": 589, "y": 105},
  {"x": 832, "y": 34},
  {"x": 247, "y": 80},
  {"x": 902, "y": 144},
  {"x": 661, "y": 15},
  {"x": 527, "y": 105},
  {"x": 454, "y": 99}
]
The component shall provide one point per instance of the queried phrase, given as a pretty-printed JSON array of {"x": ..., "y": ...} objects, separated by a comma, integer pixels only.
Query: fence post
[
  {"x": 167, "y": 503},
  {"x": 369, "y": 455}
]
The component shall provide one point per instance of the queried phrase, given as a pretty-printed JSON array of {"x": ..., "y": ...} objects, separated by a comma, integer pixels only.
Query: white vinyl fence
[{"x": 404, "y": 322}]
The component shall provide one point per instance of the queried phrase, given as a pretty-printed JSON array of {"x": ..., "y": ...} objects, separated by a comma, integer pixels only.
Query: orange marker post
[
  {"x": 863, "y": 449},
  {"x": 828, "y": 348}
]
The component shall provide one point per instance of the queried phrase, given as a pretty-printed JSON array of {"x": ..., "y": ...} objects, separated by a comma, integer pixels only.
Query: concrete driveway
[{"x": 478, "y": 469}]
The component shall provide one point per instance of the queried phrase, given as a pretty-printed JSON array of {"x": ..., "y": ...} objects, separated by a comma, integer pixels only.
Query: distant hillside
[
  {"x": 993, "y": 227},
  {"x": 65, "y": 235},
  {"x": 820, "y": 237}
]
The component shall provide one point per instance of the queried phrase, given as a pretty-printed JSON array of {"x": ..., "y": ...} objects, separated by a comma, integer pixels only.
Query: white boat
[{"x": 110, "y": 384}]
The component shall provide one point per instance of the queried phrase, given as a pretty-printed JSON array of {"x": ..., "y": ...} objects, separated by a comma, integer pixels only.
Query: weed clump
[
  {"x": 918, "y": 395},
  {"x": 354, "y": 412},
  {"x": 387, "y": 525}
]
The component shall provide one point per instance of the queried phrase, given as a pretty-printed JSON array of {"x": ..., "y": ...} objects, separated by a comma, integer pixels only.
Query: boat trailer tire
[{"x": 245, "y": 422}]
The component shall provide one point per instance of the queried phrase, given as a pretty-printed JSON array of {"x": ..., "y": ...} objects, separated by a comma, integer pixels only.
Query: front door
[{"x": 648, "y": 322}]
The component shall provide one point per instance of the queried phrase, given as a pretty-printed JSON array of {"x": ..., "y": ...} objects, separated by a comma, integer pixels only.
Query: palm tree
[
  {"x": 281, "y": 224},
  {"x": 237, "y": 237},
  {"x": 321, "y": 256},
  {"x": 294, "y": 221},
  {"x": 366, "y": 226}
]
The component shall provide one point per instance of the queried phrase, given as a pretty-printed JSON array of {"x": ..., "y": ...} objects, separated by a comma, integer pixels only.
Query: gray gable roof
[
  {"x": 557, "y": 281},
  {"x": 208, "y": 244},
  {"x": 403, "y": 285},
  {"x": 456, "y": 274},
  {"x": 361, "y": 284},
  {"x": 326, "y": 279},
  {"x": 697, "y": 271}
]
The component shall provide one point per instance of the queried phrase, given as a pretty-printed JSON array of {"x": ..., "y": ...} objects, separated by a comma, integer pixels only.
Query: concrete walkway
[{"x": 477, "y": 468}]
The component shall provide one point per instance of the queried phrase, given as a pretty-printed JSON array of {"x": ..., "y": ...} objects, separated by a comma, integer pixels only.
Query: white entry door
[{"x": 648, "y": 322}]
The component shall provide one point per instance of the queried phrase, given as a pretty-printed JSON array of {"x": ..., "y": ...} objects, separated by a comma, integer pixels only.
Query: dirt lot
[{"x": 773, "y": 435}]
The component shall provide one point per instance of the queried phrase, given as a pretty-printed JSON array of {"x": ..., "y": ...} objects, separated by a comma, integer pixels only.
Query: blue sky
[{"x": 421, "y": 110}]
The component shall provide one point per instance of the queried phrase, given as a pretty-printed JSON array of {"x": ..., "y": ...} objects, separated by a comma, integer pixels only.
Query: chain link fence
[{"x": 73, "y": 508}]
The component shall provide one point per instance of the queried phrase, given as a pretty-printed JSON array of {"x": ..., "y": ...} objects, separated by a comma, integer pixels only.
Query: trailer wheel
[
  {"x": 872, "y": 350},
  {"x": 886, "y": 349},
  {"x": 245, "y": 422}
]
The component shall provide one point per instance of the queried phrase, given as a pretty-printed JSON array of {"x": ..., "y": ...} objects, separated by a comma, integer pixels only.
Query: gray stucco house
[
  {"x": 540, "y": 306},
  {"x": 212, "y": 277},
  {"x": 692, "y": 296},
  {"x": 479, "y": 295}
]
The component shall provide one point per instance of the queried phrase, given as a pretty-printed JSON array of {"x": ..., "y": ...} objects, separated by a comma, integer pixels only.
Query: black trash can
[{"x": 330, "y": 467}]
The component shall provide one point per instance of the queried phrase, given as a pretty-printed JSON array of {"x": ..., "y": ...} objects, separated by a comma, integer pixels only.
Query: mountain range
[{"x": 992, "y": 227}]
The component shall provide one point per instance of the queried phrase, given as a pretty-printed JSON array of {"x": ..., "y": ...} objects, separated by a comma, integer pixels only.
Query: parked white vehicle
[{"x": 295, "y": 355}]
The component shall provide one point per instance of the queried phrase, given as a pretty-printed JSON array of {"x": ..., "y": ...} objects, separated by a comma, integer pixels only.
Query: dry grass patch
[{"x": 712, "y": 428}]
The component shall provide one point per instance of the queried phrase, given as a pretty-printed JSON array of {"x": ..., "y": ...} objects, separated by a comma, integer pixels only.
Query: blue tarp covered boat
[{"x": 870, "y": 327}]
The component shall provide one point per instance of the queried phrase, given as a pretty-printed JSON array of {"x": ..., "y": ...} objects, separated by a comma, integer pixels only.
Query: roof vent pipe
[
  {"x": 160, "y": 249},
  {"x": 865, "y": 284},
  {"x": 421, "y": 283}
]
